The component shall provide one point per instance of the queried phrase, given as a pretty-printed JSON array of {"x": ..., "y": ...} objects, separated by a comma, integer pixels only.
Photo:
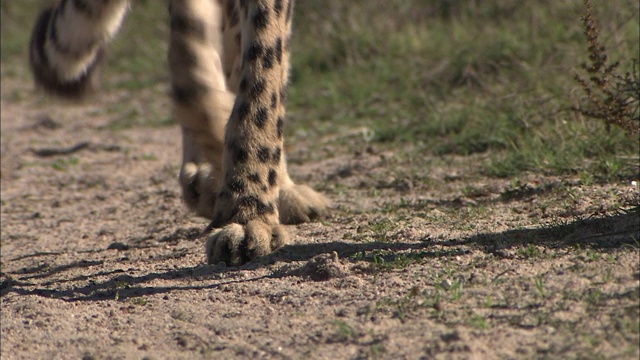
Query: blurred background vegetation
[{"x": 427, "y": 77}]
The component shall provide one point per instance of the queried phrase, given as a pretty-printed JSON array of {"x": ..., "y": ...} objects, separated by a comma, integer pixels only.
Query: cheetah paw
[
  {"x": 300, "y": 203},
  {"x": 235, "y": 244},
  {"x": 198, "y": 187}
]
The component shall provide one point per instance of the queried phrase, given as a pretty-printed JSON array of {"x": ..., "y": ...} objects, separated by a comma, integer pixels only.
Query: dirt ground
[{"x": 101, "y": 260}]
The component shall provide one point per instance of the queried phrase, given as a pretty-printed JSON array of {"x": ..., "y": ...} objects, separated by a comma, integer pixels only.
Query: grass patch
[
  {"x": 343, "y": 332},
  {"x": 383, "y": 261},
  {"x": 64, "y": 164},
  {"x": 448, "y": 77},
  {"x": 461, "y": 79},
  {"x": 478, "y": 321}
]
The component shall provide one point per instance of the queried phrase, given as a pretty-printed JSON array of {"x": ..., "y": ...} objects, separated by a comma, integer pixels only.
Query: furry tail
[{"x": 67, "y": 44}]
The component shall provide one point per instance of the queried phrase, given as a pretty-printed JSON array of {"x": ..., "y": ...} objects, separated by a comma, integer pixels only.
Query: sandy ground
[{"x": 101, "y": 260}]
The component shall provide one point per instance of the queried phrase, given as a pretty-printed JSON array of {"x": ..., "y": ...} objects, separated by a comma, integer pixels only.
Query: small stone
[
  {"x": 446, "y": 284},
  {"x": 439, "y": 306},
  {"x": 118, "y": 246},
  {"x": 449, "y": 337},
  {"x": 324, "y": 267}
]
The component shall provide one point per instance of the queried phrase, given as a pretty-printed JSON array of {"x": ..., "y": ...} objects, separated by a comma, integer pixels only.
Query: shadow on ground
[{"x": 611, "y": 232}]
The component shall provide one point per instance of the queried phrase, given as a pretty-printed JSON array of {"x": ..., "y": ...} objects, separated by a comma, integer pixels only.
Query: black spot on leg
[
  {"x": 260, "y": 18},
  {"x": 278, "y": 50},
  {"x": 238, "y": 154},
  {"x": 253, "y": 53},
  {"x": 252, "y": 87},
  {"x": 257, "y": 88},
  {"x": 252, "y": 202},
  {"x": 277, "y": 7},
  {"x": 280, "y": 127},
  {"x": 277, "y": 154},
  {"x": 237, "y": 185},
  {"x": 263, "y": 154},
  {"x": 248, "y": 201},
  {"x": 254, "y": 178},
  {"x": 273, "y": 177},
  {"x": 243, "y": 111},
  {"x": 269, "y": 58},
  {"x": 240, "y": 110},
  {"x": 262, "y": 208},
  {"x": 274, "y": 100},
  {"x": 261, "y": 117}
]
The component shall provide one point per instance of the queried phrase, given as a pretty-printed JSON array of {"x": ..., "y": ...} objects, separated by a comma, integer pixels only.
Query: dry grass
[{"x": 610, "y": 96}]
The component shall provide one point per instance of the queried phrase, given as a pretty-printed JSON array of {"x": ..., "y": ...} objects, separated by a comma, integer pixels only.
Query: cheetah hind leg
[
  {"x": 299, "y": 203},
  {"x": 198, "y": 179}
]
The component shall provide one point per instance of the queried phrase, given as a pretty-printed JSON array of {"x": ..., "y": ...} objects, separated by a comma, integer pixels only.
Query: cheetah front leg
[{"x": 253, "y": 160}]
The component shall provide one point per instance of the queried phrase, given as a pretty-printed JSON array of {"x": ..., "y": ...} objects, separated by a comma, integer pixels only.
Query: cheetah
[{"x": 229, "y": 65}]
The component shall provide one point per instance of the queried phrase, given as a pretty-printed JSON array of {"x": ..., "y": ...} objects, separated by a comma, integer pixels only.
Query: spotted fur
[{"x": 229, "y": 64}]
